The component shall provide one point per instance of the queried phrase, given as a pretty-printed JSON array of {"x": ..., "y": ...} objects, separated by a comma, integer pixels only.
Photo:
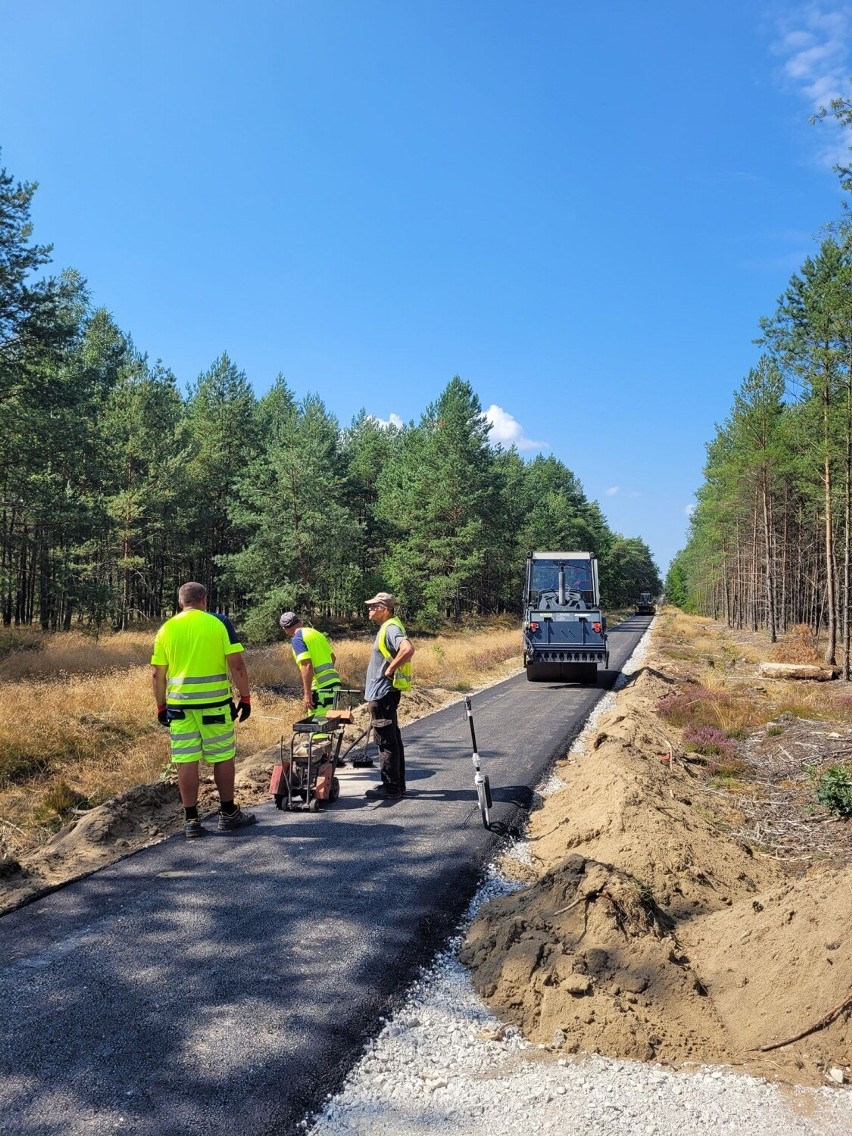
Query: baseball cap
[
  {"x": 288, "y": 619},
  {"x": 386, "y": 598}
]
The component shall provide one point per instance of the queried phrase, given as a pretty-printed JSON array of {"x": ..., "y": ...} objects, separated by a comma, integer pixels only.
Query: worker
[
  {"x": 316, "y": 662},
  {"x": 194, "y": 652},
  {"x": 232, "y": 631},
  {"x": 388, "y": 675}
]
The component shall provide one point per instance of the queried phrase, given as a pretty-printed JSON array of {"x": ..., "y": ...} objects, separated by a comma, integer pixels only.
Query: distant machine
[
  {"x": 646, "y": 605},
  {"x": 564, "y": 633}
]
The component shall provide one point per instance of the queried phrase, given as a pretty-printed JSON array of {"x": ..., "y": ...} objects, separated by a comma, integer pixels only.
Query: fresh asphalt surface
[{"x": 227, "y": 984}]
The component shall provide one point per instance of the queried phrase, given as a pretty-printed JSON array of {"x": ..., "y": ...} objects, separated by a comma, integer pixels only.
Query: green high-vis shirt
[{"x": 193, "y": 645}]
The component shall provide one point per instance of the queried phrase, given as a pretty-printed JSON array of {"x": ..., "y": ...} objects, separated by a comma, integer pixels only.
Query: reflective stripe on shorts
[{"x": 195, "y": 739}]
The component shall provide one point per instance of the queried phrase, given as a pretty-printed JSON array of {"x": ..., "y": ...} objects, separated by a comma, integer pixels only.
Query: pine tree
[
  {"x": 440, "y": 497},
  {"x": 303, "y": 542},
  {"x": 223, "y": 438}
]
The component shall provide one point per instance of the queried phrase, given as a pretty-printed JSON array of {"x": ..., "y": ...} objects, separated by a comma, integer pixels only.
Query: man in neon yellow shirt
[
  {"x": 316, "y": 662},
  {"x": 194, "y": 653}
]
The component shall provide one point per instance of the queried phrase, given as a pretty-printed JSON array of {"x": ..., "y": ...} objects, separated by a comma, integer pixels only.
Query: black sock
[
  {"x": 228, "y": 808},
  {"x": 191, "y": 812}
]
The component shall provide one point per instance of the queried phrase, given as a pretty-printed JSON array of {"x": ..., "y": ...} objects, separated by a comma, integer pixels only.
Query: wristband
[{"x": 160, "y": 709}]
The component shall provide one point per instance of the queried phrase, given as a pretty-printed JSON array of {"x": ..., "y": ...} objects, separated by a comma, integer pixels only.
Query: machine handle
[{"x": 470, "y": 721}]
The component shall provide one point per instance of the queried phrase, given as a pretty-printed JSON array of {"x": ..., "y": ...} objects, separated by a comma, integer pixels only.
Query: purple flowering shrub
[
  {"x": 709, "y": 742},
  {"x": 687, "y": 706}
]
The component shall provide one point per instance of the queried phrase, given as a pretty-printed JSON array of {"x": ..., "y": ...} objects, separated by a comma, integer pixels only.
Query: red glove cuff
[
  {"x": 160, "y": 709},
  {"x": 245, "y": 698}
]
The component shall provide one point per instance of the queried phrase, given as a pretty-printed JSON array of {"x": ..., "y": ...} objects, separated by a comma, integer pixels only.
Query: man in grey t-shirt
[{"x": 388, "y": 675}]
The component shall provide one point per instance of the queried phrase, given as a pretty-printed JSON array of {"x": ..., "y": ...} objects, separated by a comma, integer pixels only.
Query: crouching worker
[
  {"x": 194, "y": 653},
  {"x": 316, "y": 662}
]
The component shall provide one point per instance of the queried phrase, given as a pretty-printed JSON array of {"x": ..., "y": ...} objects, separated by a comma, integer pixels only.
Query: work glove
[
  {"x": 233, "y": 709},
  {"x": 243, "y": 708},
  {"x": 163, "y": 715}
]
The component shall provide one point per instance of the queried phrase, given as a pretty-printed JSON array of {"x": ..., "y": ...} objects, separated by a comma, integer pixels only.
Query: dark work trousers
[{"x": 389, "y": 741}]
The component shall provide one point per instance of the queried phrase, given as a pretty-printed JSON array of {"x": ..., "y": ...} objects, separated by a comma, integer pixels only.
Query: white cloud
[
  {"x": 814, "y": 42},
  {"x": 689, "y": 509},
  {"x": 613, "y": 489},
  {"x": 392, "y": 420},
  {"x": 506, "y": 431}
]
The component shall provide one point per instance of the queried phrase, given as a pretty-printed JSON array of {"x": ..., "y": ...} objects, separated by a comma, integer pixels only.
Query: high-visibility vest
[
  {"x": 401, "y": 677},
  {"x": 319, "y": 653},
  {"x": 193, "y": 645}
]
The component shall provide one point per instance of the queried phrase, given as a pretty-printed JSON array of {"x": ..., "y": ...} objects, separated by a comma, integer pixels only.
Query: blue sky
[{"x": 582, "y": 209}]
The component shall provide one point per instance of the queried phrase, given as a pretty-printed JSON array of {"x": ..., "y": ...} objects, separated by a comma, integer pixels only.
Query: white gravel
[{"x": 444, "y": 1061}]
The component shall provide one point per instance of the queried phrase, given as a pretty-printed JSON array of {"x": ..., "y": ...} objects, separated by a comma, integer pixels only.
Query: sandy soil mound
[
  {"x": 585, "y": 960},
  {"x": 624, "y": 803},
  {"x": 777, "y": 965},
  {"x": 646, "y": 932},
  {"x": 139, "y": 817}
]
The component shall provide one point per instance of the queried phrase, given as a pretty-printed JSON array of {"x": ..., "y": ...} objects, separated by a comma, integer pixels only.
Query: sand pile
[{"x": 646, "y": 932}]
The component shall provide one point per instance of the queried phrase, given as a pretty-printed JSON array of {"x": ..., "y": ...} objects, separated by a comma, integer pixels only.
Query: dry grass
[
  {"x": 453, "y": 661},
  {"x": 78, "y": 713},
  {"x": 721, "y": 662},
  {"x": 812, "y": 702},
  {"x": 30, "y": 654}
]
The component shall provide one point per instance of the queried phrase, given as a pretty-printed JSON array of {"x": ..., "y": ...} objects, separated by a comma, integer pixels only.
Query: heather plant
[
  {"x": 709, "y": 742},
  {"x": 684, "y": 707},
  {"x": 730, "y": 711}
]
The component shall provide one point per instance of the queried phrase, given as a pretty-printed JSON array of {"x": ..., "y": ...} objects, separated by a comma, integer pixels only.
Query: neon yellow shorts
[{"x": 206, "y": 735}]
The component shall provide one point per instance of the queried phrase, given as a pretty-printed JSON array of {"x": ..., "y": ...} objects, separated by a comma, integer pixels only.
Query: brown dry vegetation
[{"x": 678, "y": 908}]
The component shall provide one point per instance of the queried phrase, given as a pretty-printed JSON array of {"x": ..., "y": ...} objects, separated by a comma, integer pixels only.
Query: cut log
[{"x": 799, "y": 670}]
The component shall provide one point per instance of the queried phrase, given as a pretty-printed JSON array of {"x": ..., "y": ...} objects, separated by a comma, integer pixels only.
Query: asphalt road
[{"x": 227, "y": 984}]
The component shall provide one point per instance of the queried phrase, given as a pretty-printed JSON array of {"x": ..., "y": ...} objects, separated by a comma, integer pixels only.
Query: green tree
[
  {"x": 144, "y": 497},
  {"x": 804, "y": 341},
  {"x": 367, "y": 447},
  {"x": 303, "y": 542},
  {"x": 677, "y": 586},
  {"x": 34, "y": 324},
  {"x": 223, "y": 436},
  {"x": 44, "y": 413},
  {"x": 629, "y": 569},
  {"x": 440, "y": 497},
  {"x": 557, "y": 513}
]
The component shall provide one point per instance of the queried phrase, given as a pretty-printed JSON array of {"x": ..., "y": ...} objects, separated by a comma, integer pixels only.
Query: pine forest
[
  {"x": 116, "y": 485},
  {"x": 770, "y": 543}
]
